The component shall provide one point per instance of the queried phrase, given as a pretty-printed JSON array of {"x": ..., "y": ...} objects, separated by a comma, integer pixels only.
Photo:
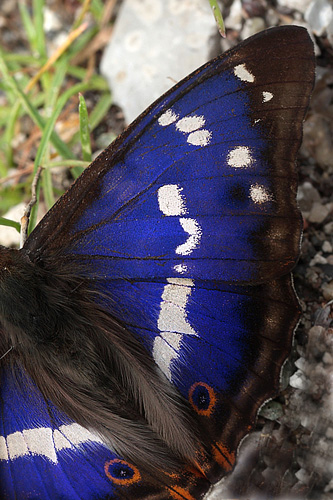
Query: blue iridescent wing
[
  {"x": 45, "y": 455},
  {"x": 188, "y": 225}
]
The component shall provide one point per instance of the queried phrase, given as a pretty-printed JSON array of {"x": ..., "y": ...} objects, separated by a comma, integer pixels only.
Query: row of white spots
[
  {"x": 241, "y": 156},
  {"x": 172, "y": 202},
  {"x": 245, "y": 75},
  {"x": 44, "y": 441},
  {"x": 172, "y": 322},
  {"x": 191, "y": 125}
]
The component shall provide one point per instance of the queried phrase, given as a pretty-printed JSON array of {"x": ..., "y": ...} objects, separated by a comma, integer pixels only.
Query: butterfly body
[{"x": 156, "y": 303}]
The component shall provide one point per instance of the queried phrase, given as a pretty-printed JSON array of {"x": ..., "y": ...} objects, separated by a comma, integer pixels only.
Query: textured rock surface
[{"x": 155, "y": 44}]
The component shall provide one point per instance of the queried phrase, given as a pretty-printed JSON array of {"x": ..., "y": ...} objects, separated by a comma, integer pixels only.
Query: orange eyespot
[
  {"x": 121, "y": 472},
  {"x": 202, "y": 398}
]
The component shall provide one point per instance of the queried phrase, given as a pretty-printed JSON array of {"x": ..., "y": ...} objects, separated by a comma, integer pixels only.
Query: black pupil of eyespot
[
  {"x": 124, "y": 472},
  {"x": 202, "y": 399}
]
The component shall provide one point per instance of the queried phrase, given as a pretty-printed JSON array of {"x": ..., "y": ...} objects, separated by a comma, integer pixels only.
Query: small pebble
[
  {"x": 328, "y": 228},
  {"x": 318, "y": 213},
  {"x": 327, "y": 247},
  {"x": 318, "y": 259},
  {"x": 319, "y": 15},
  {"x": 327, "y": 290}
]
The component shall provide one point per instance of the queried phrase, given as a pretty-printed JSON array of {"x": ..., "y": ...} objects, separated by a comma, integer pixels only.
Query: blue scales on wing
[{"x": 188, "y": 227}]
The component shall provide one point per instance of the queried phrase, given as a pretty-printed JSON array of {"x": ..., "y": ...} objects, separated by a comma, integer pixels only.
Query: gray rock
[
  {"x": 306, "y": 196},
  {"x": 328, "y": 290},
  {"x": 300, "y": 5},
  {"x": 234, "y": 20},
  {"x": 253, "y": 26},
  {"x": 318, "y": 213},
  {"x": 319, "y": 15},
  {"x": 328, "y": 228},
  {"x": 155, "y": 44},
  {"x": 327, "y": 247}
]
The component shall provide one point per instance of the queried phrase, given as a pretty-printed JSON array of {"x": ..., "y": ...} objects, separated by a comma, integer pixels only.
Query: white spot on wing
[
  {"x": 259, "y": 194},
  {"x": 3, "y": 449},
  {"x": 192, "y": 227},
  {"x": 200, "y": 138},
  {"x": 39, "y": 442},
  {"x": 77, "y": 434},
  {"x": 240, "y": 157},
  {"x": 16, "y": 445},
  {"x": 180, "y": 268},
  {"x": 170, "y": 200},
  {"x": 173, "y": 316},
  {"x": 243, "y": 73},
  {"x": 60, "y": 442},
  {"x": 163, "y": 354},
  {"x": 167, "y": 118},
  {"x": 44, "y": 441},
  {"x": 181, "y": 281},
  {"x": 172, "y": 322},
  {"x": 267, "y": 96},
  {"x": 190, "y": 123}
]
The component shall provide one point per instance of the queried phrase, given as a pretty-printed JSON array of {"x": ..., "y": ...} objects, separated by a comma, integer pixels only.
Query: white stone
[
  {"x": 318, "y": 213},
  {"x": 155, "y": 43},
  {"x": 327, "y": 359},
  {"x": 298, "y": 381},
  {"x": 235, "y": 18},
  {"x": 252, "y": 26},
  {"x": 300, "y": 5},
  {"x": 327, "y": 289},
  {"x": 301, "y": 364},
  {"x": 51, "y": 21},
  {"x": 319, "y": 15},
  {"x": 318, "y": 259},
  {"x": 327, "y": 247}
]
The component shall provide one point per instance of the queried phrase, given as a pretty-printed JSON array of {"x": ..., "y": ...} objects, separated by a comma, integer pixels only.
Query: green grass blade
[
  {"x": 218, "y": 17},
  {"x": 10, "y": 223},
  {"x": 28, "y": 25},
  {"x": 84, "y": 129},
  {"x": 38, "y": 6}
]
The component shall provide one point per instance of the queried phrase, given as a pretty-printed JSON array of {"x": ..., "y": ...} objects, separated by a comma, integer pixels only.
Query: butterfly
[{"x": 150, "y": 311}]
